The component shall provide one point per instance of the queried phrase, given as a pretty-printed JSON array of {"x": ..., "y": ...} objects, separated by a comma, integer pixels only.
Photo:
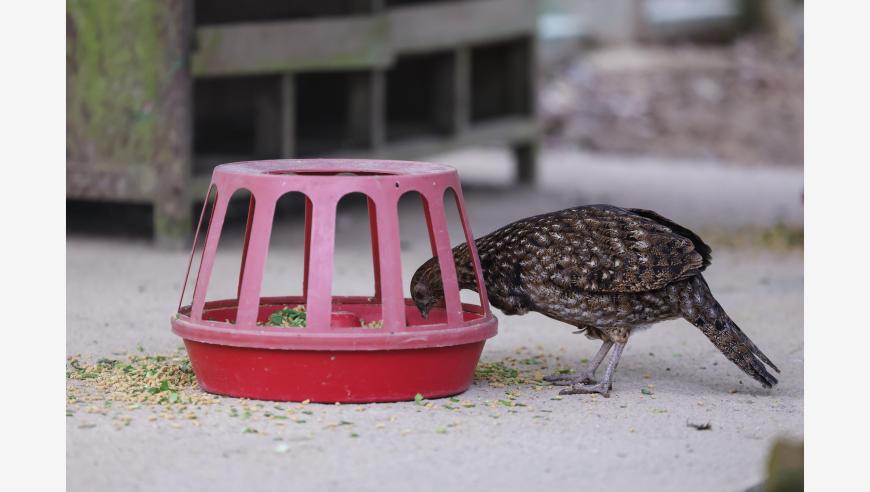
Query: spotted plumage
[{"x": 604, "y": 269}]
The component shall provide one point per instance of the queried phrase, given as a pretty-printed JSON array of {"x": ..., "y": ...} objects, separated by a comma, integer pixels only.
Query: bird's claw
[
  {"x": 568, "y": 380},
  {"x": 585, "y": 389}
]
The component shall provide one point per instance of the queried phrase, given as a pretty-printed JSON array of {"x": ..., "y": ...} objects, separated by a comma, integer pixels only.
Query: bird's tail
[{"x": 700, "y": 308}]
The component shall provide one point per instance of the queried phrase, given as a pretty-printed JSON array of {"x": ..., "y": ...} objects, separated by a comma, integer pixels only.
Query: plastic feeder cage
[{"x": 333, "y": 358}]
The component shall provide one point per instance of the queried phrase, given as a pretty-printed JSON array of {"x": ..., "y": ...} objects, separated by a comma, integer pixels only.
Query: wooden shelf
[
  {"x": 438, "y": 26},
  {"x": 292, "y": 46},
  {"x": 359, "y": 41},
  {"x": 110, "y": 181}
]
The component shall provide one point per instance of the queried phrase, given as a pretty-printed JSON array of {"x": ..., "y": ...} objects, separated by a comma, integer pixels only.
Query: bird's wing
[{"x": 604, "y": 249}]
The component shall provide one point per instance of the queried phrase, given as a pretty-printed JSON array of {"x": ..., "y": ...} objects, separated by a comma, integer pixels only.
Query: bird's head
[{"x": 426, "y": 287}]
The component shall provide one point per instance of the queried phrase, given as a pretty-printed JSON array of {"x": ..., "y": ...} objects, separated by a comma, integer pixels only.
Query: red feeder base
[
  {"x": 333, "y": 376},
  {"x": 344, "y": 362}
]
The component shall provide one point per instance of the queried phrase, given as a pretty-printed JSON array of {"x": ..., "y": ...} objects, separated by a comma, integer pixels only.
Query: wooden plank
[
  {"x": 429, "y": 27},
  {"x": 502, "y": 131},
  {"x": 291, "y": 46},
  {"x": 110, "y": 181}
]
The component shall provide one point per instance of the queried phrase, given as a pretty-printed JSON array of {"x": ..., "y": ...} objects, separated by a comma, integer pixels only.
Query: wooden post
[
  {"x": 288, "y": 116},
  {"x": 378, "y": 113},
  {"x": 443, "y": 103},
  {"x": 365, "y": 115},
  {"x": 268, "y": 126},
  {"x": 526, "y": 157},
  {"x": 462, "y": 90},
  {"x": 522, "y": 71},
  {"x": 172, "y": 151},
  {"x": 128, "y": 115}
]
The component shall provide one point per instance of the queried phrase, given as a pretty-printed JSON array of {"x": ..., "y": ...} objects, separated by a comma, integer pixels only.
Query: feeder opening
[
  {"x": 467, "y": 274},
  {"x": 195, "y": 261},
  {"x": 414, "y": 251},
  {"x": 353, "y": 271},
  {"x": 229, "y": 264},
  {"x": 285, "y": 260}
]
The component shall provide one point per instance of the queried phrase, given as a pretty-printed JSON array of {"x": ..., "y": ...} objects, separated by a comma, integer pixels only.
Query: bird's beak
[{"x": 424, "y": 313}]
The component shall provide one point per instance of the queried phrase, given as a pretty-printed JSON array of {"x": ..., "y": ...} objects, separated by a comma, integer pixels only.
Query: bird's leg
[
  {"x": 606, "y": 383},
  {"x": 588, "y": 375}
]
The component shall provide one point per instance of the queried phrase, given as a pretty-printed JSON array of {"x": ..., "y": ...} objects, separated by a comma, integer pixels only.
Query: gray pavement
[{"x": 120, "y": 294}]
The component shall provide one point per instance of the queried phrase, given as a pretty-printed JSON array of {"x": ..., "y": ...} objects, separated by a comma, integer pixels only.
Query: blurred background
[
  {"x": 596, "y": 100},
  {"x": 692, "y": 108}
]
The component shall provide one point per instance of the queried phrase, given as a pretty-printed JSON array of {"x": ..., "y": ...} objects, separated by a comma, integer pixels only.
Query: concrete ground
[{"x": 121, "y": 293}]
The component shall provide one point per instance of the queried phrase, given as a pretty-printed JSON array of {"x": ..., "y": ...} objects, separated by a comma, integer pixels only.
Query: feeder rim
[
  {"x": 341, "y": 339},
  {"x": 302, "y": 168},
  {"x": 481, "y": 327}
]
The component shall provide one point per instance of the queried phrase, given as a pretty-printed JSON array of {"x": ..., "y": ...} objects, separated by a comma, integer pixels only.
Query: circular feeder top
[
  {"x": 330, "y": 179},
  {"x": 332, "y": 167},
  {"x": 324, "y": 182}
]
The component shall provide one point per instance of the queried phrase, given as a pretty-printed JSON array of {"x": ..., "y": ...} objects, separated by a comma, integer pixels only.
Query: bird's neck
[{"x": 464, "y": 268}]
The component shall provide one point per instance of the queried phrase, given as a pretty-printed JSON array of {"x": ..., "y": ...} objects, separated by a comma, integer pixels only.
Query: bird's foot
[
  {"x": 568, "y": 379},
  {"x": 601, "y": 388}
]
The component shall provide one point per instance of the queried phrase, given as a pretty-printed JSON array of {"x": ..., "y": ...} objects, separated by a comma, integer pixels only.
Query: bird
[{"x": 608, "y": 271}]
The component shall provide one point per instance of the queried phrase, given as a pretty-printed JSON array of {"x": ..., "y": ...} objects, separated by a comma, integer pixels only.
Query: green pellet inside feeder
[
  {"x": 295, "y": 317},
  {"x": 288, "y": 317}
]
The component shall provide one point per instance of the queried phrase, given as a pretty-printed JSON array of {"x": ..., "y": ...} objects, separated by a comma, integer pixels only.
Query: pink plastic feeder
[{"x": 333, "y": 358}]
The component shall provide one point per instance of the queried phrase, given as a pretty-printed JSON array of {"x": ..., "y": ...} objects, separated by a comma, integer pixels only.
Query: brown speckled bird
[{"x": 606, "y": 270}]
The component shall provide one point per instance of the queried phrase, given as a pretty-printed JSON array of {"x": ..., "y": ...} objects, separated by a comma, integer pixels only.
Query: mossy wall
[
  {"x": 129, "y": 106},
  {"x": 117, "y": 66}
]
